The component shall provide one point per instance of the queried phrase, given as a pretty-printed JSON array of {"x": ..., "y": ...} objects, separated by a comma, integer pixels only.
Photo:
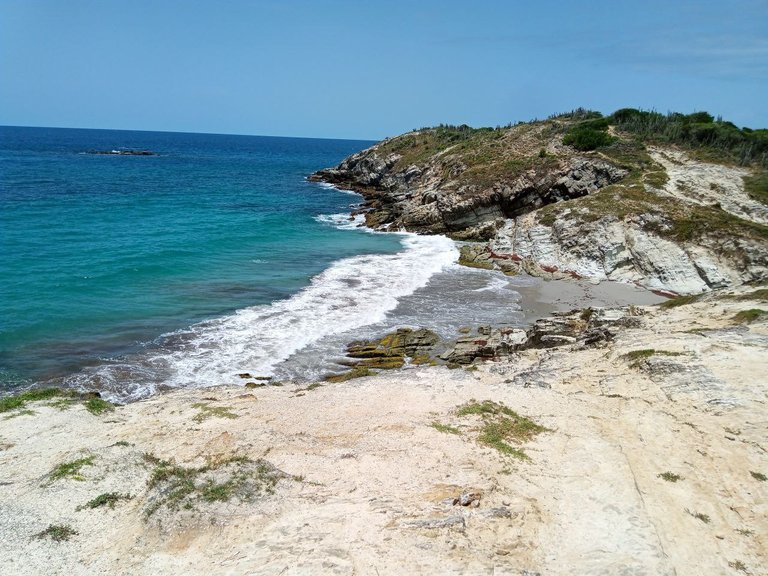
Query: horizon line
[{"x": 191, "y": 132}]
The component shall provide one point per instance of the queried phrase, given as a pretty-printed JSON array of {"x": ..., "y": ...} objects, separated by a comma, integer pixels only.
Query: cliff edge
[{"x": 670, "y": 202}]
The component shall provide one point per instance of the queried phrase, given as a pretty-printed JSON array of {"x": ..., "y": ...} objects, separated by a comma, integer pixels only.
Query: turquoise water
[{"x": 113, "y": 266}]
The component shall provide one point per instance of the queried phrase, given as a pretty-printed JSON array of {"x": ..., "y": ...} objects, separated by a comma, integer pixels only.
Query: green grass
[
  {"x": 97, "y": 406},
  {"x": 445, "y": 428},
  {"x": 106, "y": 499},
  {"x": 240, "y": 478},
  {"x": 61, "y": 403},
  {"x": 58, "y": 398},
  {"x": 24, "y": 412},
  {"x": 501, "y": 425},
  {"x": 20, "y": 400},
  {"x": 680, "y": 301},
  {"x": 757, "y": 187},
  {"x": 760, "y": 295},
  {"x": 206, "y": 411},
  {"x": 70, "y": 469},
  {"x": 635, "y": 357},
  {"x": 484, "y": 408},
  {"x": 670, "y": 477},
  {"x": 57, "y": 533},
  {"x": 656, "y": 178},
  {"x": 749, "y": 316},
  {"x": 759, "y": 476}
]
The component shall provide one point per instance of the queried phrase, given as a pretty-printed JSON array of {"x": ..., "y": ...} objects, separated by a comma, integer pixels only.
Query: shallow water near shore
[
  {"x": 133, "y": 275},
  {"x": 103, "y": 254}
]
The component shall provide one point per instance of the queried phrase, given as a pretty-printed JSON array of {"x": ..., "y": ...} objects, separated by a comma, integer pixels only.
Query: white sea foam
[
  {"x": 495, "y": 284},
  {"x": 332, "y": 187},
  {"x": 352, "y": 293},
  {"x": 344, "y": 221}
]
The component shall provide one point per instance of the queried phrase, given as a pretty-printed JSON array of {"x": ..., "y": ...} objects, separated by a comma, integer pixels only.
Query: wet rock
[{"x": 389, "y": 352}]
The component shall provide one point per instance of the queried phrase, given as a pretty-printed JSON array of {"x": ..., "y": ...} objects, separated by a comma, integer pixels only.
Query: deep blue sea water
[{"x": 134, "y": 274}]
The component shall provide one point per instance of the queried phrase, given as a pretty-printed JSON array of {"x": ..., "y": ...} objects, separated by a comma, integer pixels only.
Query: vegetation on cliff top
[
  {"x": 480, "y": 158},
  {"x": 588, "y": 130}
]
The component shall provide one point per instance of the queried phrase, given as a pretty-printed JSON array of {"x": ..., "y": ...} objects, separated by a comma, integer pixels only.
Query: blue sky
[{"x": 364, "y": 69}]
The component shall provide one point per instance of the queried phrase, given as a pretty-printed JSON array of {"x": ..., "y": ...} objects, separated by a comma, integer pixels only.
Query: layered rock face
[
  {"x": 426, "y": 199},
  {"x": 646, "y": 215}
]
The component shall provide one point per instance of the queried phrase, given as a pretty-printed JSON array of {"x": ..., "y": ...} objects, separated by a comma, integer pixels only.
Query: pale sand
[
  {"x": 543, "y": 296},
  {"x": 376, "y": 473}
]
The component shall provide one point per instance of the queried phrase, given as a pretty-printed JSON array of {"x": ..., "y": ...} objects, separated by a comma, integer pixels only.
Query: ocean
[{"x": 215, "y": 256}]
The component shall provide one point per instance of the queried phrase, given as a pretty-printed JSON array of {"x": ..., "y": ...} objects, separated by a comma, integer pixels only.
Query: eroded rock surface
[
  {"x": 655, "y": 217},
  {"x": 653, "y": 462}
]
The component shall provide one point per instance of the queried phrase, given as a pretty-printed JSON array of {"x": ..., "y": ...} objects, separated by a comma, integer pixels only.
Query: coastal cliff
[{"x": 637, "y": 197}]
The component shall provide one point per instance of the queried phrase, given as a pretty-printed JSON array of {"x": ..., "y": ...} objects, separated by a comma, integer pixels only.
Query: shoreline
[
  {"x": 539, "y": 298},
  {"x": 644, "y": 458}
]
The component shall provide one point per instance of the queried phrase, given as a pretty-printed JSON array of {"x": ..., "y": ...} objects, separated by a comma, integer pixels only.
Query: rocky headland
[{"x": 673, "y": 203}]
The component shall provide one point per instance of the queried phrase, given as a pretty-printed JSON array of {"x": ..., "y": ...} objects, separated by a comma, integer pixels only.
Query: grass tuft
[
  {"x": 445, "y": 428},
  {"x": 207, "y": 411},
  {"x": 760, "y": 295},
  {"x": 749, "y": 316},
  {"x": 759, "y": 476},
  {"x": 106, "y": 499},
  {"x": 738, "y": 565},
  {"x": 699, "y": 516},
  {"x": 20, "y": 400},
  {"x": 670, "y": 476},
  {"x": 635, "y": 357},
  {"x": 680, "y": 301},
  {"x": 57, "y": 533},
  {"x": 176, "y": 486},
  {"x": 70, "y": 469},
  {"x": 501, "y": 425},
  {"x": 97, "y": 406}
]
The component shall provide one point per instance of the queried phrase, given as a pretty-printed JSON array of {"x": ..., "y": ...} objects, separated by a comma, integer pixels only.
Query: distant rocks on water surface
[{"x": 122, "y": 152}]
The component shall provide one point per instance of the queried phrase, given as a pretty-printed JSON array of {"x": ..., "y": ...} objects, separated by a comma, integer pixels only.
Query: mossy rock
[
  {"x": 354, "y": 373},
  {"x": 387, "y": 363},
  {"x": 388, "y": 352}
]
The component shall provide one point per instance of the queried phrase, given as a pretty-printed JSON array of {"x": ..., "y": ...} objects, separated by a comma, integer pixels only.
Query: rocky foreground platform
[{"x": 608, "y": 446}]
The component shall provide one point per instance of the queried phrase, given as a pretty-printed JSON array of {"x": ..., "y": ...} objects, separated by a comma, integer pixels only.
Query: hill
[{"x": 673, "y": 202}]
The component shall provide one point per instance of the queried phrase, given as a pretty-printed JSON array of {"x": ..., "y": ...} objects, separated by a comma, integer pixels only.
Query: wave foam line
[{"x": 352, "y": 293}]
